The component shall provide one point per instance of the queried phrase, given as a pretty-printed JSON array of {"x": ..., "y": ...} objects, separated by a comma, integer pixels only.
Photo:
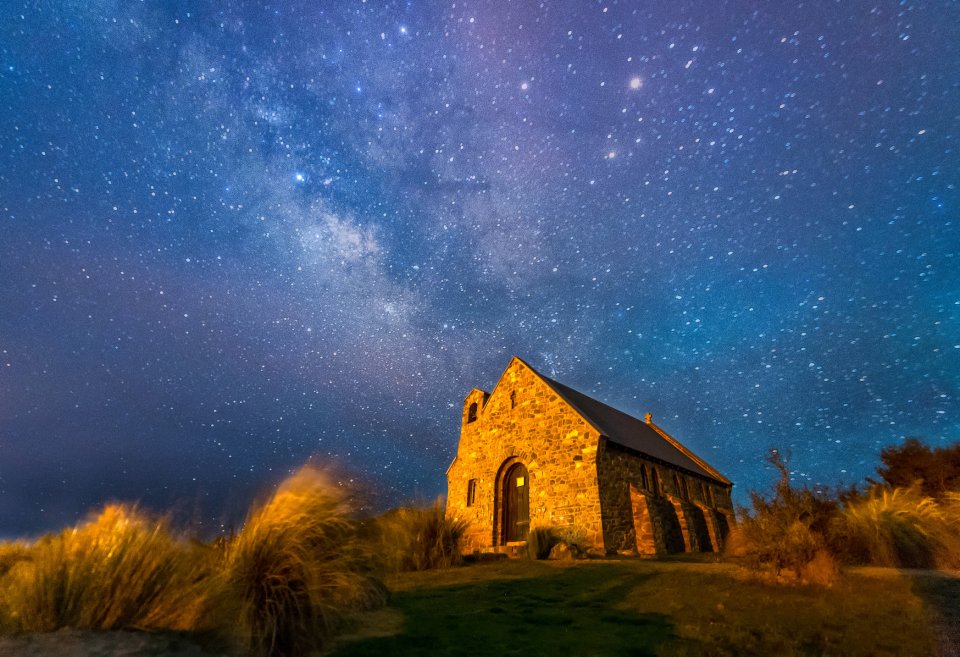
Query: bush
[
  {"x": 786, "y": 532},
  {"x": 420, "y": 538},
  {"x": 296, "y": 568},
  {"x": 122, "y": 569},
  {"x": 935, "y": 470}
]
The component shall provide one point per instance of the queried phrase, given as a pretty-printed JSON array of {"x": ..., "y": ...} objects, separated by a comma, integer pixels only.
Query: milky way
[{"x": 236, "y": 236}]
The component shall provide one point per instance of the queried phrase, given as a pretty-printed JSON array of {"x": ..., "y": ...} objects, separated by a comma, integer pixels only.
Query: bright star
[
  {"x": 636, "y": 83},
  {"x": 299, "y": 177}
]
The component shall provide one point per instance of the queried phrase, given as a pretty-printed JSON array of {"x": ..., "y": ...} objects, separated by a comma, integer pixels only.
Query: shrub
[
  {"x": 786, "y": 532},
  {"x": 122, "y": 569},
  {"x": 297, "y": 568},
  {"x": 935, "y": 470},
  {"x": 420, "y": 538},
  {"x": 899, "y": 527}
]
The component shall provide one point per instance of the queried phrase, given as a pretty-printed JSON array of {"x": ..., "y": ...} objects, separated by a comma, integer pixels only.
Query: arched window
[
  {"x": 513, "y": 399},
  {"x": 471, "y": 492},
  {"x": 655, "y": 479},
  {"x": 681, "y": 485},
  {"x": 472, "y": 413},
  {"x": 643, "y": 478},
  {"x": 703, "y": 491}
]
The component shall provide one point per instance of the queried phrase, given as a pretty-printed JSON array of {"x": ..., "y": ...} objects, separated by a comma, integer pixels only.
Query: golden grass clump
[
  {"x": 297, "y": 567},
  {"x": 900, "y": 527},
  {"x": 421, "y": 538},
  {"x": 122, "y": 569}
]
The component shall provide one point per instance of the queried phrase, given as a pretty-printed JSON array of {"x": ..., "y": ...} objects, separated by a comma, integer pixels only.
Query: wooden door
[{"x": 516, "y": 503}]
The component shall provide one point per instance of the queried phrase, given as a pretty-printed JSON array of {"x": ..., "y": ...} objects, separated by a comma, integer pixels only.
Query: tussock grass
[
  {"x": 12, "y": 553},
  {"x": 540, "y": 541},
  {"x": 296, "y": 568},
  {"x": 900, "y": 527},
  {"x": 279, "y": 587},
  {"x": 121, "y": 569},
  {"x": 420, "y": 538}
]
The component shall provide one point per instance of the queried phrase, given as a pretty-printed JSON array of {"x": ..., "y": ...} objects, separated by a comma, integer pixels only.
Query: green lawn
[{"x": 635, "y": 607}]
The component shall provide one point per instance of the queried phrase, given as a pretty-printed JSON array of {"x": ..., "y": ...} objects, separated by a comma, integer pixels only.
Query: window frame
[{"x": 471, "y": 492}]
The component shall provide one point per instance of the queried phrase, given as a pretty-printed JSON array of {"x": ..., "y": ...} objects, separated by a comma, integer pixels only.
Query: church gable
[{"x": 523, "y": 421}]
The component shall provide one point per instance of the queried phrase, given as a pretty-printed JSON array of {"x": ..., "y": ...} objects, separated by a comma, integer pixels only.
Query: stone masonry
[{"x": 612, "y": 497}]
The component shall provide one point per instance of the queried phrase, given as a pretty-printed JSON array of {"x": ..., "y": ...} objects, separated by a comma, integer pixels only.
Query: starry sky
[{"x": 237, "y": 235}]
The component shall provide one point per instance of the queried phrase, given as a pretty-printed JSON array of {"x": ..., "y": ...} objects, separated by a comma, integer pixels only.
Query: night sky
[{"x": 237, "y": 235}]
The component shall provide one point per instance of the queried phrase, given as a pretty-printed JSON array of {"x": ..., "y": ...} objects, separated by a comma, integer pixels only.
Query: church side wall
[
  {"x": 667, "y": 518},
  {"x": 526, "y": 420}
]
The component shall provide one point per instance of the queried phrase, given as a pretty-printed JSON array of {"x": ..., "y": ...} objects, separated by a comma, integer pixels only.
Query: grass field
[{"x": 648, "y": 608}]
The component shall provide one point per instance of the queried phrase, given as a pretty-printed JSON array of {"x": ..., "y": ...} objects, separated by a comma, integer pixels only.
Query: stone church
[{"x": 535, "y": 453}]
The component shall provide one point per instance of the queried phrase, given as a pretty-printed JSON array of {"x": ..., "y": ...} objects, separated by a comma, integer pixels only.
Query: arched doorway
[{"x": 515, "y": 494}]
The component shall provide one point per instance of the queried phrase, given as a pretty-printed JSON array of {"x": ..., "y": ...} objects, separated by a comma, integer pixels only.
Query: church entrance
[{"x": 516, "y": 503}]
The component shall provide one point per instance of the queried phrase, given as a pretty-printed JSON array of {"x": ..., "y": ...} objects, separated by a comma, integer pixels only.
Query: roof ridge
[
  {"x": 559, "y": 388},
  {"x": 690, "y": 455}
]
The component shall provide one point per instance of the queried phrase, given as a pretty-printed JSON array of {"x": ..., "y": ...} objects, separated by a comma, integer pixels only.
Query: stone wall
[
  {"x": 650, "y": 507},
  {"x": 524, "y": 420}
]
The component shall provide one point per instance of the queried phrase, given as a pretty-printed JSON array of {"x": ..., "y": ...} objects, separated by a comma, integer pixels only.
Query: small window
[
  {"x": 703, "y": 491},
  {"x": 655, "y": 480},
  {"x": 681, "y": 485},
  {"x": 471, "y": 492},
  {"x": 513, "y": 399},
  {"x": 472, "y": 413},
  {"x": 643, "y": 478}
]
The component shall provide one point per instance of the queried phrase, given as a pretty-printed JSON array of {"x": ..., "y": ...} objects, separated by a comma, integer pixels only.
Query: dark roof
[{"x": 632, "y": 433}]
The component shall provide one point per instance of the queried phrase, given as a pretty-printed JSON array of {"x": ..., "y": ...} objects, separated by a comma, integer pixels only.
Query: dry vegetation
[
  {"x": 282, "y": 586},
  {"x": 420, "y": 538},
  {"x": 806, "y": 535},
  {"x": 296, "y": 567},
  {"x": 303, "y": 566},
  {"x": 120, "y": 569}
]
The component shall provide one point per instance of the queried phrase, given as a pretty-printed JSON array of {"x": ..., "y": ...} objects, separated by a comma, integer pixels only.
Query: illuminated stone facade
[{"x": 534, "y": 453}]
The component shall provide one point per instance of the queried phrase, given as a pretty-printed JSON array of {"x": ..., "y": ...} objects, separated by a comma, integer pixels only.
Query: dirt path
[
  {"x": 74, "y": 643},
  {"x": 941, "y": 592}
]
